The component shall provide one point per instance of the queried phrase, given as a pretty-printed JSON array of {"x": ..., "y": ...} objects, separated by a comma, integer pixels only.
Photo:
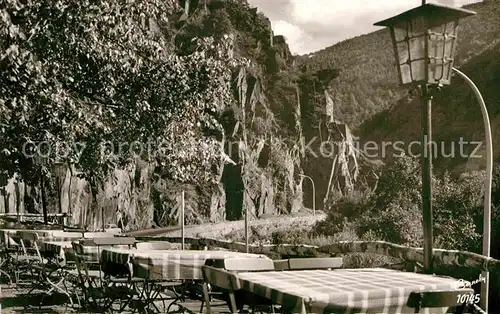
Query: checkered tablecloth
[
  {"x": 65, "y": 251},
  {"x": 343, "y": 290},
  {"x": 167, "y": 264},
  {"x": 48, "y": 235}
]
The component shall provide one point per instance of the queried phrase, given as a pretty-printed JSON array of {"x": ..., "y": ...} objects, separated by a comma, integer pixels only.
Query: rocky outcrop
[{"x": 332, "y": 159}]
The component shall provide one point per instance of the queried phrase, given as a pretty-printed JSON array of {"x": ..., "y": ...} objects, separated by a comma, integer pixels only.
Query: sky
[{"x": 311, "y": 25}]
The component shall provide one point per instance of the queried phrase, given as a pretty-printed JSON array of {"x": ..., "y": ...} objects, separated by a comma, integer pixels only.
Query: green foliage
[
  {"x": 229, "y": 17},
  {"x": 85, "y": 73},
  {"x": 393, "y": 212}
]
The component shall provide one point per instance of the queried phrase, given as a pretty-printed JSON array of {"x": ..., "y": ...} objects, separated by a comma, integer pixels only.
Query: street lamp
[{"x": 424, "y": 41}]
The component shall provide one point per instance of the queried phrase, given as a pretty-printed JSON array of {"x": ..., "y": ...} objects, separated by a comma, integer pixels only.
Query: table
[
  {"x": 166, "y": 264},
  {"x": 63, "y": 247},
  {"x": 367, "y": 290}
]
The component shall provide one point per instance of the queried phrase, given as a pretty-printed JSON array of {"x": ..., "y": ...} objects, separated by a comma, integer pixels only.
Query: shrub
[{"x": 393, "y": 212}]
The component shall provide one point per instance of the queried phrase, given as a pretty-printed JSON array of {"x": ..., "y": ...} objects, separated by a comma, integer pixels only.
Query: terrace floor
[{"x": 14, "y": 300}]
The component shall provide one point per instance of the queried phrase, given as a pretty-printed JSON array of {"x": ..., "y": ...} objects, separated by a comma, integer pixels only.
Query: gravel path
[{"x": 228, "y": 229}]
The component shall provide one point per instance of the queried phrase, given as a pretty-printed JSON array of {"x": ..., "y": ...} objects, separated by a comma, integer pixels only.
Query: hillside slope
[
  {"x": 368, "y": 80},
  {"x": 456, "y": 116}
]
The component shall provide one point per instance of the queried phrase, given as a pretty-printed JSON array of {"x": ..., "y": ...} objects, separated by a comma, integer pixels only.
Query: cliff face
[{"x": 278, "y": 110}]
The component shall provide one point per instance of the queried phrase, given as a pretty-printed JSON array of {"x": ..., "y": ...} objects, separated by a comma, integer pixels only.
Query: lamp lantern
[{"x": 424, "y": 41}]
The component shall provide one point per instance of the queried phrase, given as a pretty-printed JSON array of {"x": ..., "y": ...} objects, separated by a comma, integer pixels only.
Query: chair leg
[
  {"x": 232, "y": 302},
  {"x": 202, "y": 303},
  {"x": 207, "y": 298}
]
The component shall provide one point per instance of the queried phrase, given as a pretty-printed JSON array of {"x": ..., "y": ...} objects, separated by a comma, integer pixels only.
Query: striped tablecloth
[
  {"x": 373, "y": 290},
  {"x": 64, "y": 250},
  {"x": 48, "y": 235},
  {"x": 166, "y": 264},
  {"x": 61, "y": 236}
]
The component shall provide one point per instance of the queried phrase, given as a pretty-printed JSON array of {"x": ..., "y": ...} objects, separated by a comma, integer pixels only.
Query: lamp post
[
  {"x": 314, "y": 192},
  {"x": 487, "y": 185},
  {"x": 424, "y": 41}
]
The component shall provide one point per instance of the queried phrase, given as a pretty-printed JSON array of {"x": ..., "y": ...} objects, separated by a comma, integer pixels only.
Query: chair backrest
[
  {"x": 83, "y": 265},
  {"x": 220, "y": 278},
  {"x": 113, "y": 230},
  {"x": 92, "y": 235},
  {"x": 248, "y": 264},
  {"x": 114, "y": 241},
  {"x": 154, "y": 245},
  {"x": 66, "y": 234},
  {"x": 315, "y": 263},
  {"x": 281, "y": 264},
  {"x": 28, "y": 240},
  {"x": 27, "y": 235},
  {"x": 435, "y": 299},
  {"x": 66, "y": 229}
]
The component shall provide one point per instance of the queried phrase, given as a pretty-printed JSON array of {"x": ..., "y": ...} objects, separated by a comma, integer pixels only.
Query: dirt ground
[{"x": 15, "y": 300}]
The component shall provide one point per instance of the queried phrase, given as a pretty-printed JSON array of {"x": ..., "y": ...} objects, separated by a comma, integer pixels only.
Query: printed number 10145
[{"x": 468, "y": 298}]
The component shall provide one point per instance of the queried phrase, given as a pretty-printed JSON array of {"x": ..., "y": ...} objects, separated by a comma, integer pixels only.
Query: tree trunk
[
  {"x": 95, "y": 205},
  {"x": 5, "y": 199},
  {"x": 70, "y": 211},
  {"x": 44, "y": 200},
  {"x": 18, "y": 199}
]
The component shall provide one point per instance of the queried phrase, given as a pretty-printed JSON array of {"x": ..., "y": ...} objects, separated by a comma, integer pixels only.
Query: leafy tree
[
  {"x": 84, "y": 73},
  {"x": 393, "y": 211}
]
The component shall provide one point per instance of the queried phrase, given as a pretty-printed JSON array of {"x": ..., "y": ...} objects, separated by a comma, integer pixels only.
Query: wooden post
[
  {"x": 182, "y": 219},
  {"x": 247, "y": 246}
]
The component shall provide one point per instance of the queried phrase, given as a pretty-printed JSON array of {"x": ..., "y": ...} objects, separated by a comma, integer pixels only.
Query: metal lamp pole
[
  {"x": 427, "y": 176},
  {"x": 314, "y": 192},
  {"x": 427, "y": 172},
  {"x": 487, "y": 186}
]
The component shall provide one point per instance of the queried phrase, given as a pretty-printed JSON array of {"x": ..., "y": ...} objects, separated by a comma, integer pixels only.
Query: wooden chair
[
  {"x": 222, "y": 279},
  {"x": 112, "y": 241},
  {"x": 93, "y": 235},
  {"x": 248, "y": 264},
  {"x": 50, "y": 275},
  {"x": 438, "y": 299},
  {"x": 27, "y": 254},
  {"x": 237, "y": 297},
  {"x": 4, "y": 256},
  {"x": 315, "y": 263},
  {"x": 101, "y": 290},
  {"x": 94, "y": 294},
  {"x": 281, "y": 264}
]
